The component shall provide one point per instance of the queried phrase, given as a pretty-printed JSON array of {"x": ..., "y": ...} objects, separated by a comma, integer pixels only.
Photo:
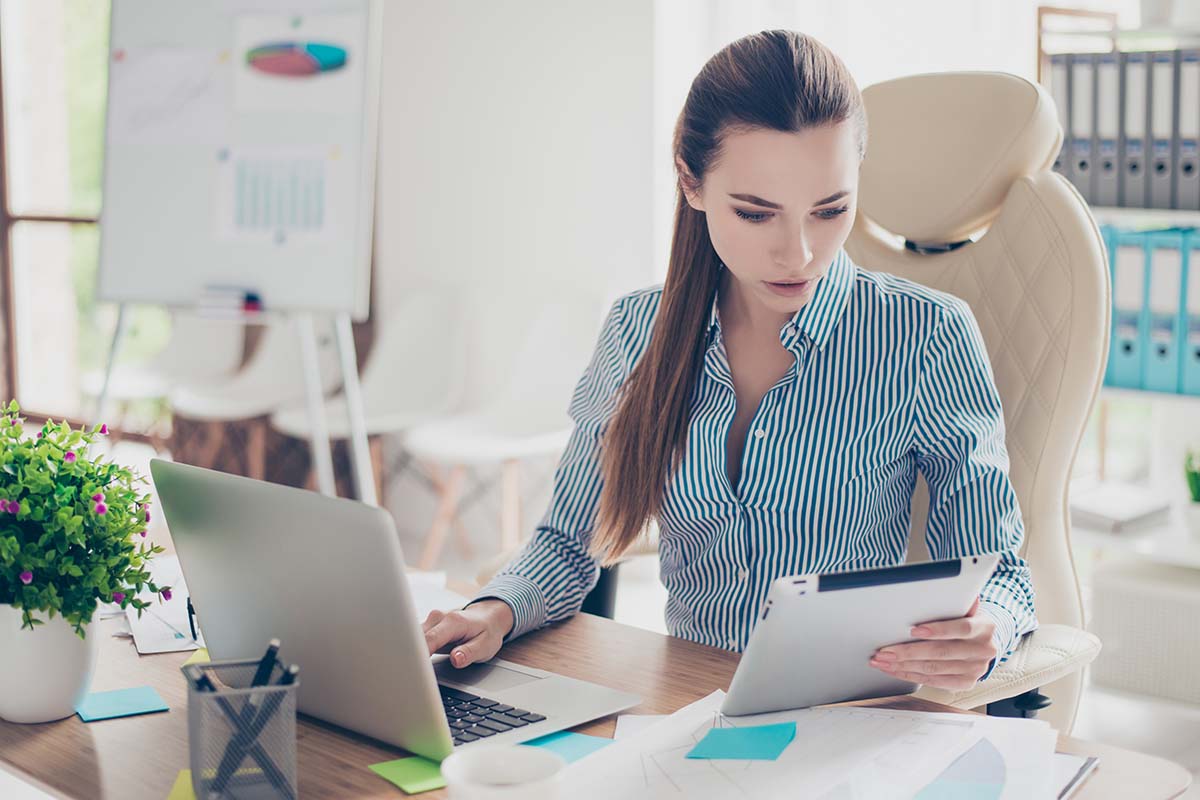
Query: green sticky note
[
  {"x": 182, "y": 790},
  {"x": 571, "y": 746},
  {"x": 414, "y": 775},
  {"x": 120, "y": 703},
  {"x": 756, "y": 742}
]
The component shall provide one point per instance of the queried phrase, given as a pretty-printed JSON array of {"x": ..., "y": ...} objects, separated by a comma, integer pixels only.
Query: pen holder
[{"x": 242, "y": 738}]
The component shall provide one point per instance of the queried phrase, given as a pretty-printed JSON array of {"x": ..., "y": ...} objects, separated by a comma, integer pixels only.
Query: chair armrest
[{"x": 1049, "y": 653}]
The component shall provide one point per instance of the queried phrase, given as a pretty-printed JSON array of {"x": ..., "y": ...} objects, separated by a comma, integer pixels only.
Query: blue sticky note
[
  {"x": 120, "y": 703},
  {"x": 757, "y": 742},
  {"x": 571, "y": 746}
]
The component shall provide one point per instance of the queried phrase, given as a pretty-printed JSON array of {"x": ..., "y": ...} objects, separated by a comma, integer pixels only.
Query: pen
[
  {"x": 191, "y": 617},
  {"x": 236, "y": 750}
]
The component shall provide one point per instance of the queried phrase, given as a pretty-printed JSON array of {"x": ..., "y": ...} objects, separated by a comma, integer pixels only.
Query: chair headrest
[{"x": 945, "y": 148}]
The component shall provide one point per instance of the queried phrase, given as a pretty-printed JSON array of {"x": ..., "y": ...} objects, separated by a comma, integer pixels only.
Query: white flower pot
[{"x": 44, "y": 672}]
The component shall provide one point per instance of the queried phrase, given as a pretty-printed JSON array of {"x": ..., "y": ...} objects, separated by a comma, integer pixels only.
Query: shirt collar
[{"x": 817, "y": 319}]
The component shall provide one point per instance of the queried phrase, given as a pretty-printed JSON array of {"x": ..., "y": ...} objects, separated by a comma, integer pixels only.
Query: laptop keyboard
[{"x": 472, "y": 717}]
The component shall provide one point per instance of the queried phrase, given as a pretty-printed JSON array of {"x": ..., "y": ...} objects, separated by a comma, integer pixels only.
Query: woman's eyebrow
[{"x": 758, "y": 201}]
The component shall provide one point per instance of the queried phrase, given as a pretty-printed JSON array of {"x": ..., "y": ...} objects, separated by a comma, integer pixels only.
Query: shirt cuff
[
  {"x": 523, "y": 596},
  {"x": 1004, "y": 637}
]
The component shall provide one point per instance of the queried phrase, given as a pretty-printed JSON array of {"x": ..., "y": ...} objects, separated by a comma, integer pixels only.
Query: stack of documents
[
  {"x": 836, "y": 752},
  {"x": 1117, "y": 507},
  {"x": 163, "y": 627}
]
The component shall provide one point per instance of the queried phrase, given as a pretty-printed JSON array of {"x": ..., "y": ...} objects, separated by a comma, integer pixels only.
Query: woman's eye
[
  {"x": 750, "y": 216},
  {"x": 830, "y": 213}
]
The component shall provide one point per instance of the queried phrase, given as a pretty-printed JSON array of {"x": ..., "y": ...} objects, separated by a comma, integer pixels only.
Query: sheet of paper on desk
[
  {"x": 163, "y": 627},
  {"x": 1012, "y": 760},
  {"x": 14, "y": 786},
  {"x": 429, "y": 592},
  {"x": 837, "y": 752}
]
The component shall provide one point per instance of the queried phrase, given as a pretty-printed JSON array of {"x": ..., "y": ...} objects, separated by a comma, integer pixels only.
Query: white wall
[
  {"x": 515, "y": 151},
  {"x": 515, "y": 160}
]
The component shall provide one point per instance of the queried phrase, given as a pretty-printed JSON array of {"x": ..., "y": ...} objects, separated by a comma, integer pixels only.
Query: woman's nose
[{"x": 795, "y": 251}]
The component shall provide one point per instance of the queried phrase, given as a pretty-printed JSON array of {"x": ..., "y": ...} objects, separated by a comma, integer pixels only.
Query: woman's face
[{"x": 779, "y": 207}]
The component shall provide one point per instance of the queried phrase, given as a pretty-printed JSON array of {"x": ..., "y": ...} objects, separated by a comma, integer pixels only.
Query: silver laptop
[{"x": 326, "y": 577}]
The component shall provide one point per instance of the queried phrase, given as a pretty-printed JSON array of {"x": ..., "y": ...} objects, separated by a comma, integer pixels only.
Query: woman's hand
[
  {"x": 472, "y": 634},
  {"x": 953, "y": 655}
]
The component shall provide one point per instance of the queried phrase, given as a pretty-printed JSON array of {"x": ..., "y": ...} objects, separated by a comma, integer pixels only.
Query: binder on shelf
[
  {"x": 1162, "y": 128},
  {"x": 1059, "y": 91},
  {"x": 1108, "y": 125},
  {"x": 1082, "y": 92},
  {"x": 1190, "y": 378},
  {"x": 1187, "y": 144},
  {"x": 1128, "y": 264},
  {"x": 1164, "y": 253},
  {"x": 1132, "y": 147}
]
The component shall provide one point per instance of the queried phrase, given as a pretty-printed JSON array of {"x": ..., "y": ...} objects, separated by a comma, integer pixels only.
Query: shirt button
[
  {"x": 732, "y": 643},
  {"x": 743, "y": 574},
  {"x": 760, "y": 433}
]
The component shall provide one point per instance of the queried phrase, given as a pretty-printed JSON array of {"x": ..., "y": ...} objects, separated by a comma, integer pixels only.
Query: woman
[{"x": 771, "y": 405}]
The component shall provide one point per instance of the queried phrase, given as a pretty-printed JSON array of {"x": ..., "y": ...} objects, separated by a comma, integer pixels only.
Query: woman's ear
[{"x": 688, "y": 185}]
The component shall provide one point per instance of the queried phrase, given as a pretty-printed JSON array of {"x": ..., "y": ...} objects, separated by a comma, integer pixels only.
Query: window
[{"x": 53, "y": 59}]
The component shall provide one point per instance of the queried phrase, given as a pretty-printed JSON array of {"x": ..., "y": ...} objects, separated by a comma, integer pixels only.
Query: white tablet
[{"x": 816, "y": 633}]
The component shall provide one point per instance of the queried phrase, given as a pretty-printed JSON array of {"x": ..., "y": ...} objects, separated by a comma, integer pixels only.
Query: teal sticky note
[
  {"x": 571, "y": 746},
  {"x": 756, "y": 742},
  {"x": 120, "y": 703}
]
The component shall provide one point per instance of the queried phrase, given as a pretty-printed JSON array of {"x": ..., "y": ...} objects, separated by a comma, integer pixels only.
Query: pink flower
[
  {"x": 104, "y": 429},
  {"x": 98, "y": 498},
  {"x": 118, "y": 597},
  {"x": 101, "y": 509},
  {"x": 13, "y": 507},
  {"x": 166, "y": 594},
  {"x": 142, "y": 533},
  {"x": 147, "y": 515},
  {"x": 69, "y": 457},
  {"x": 26, "y": 577},
  {"x": 40, "y": 434}
]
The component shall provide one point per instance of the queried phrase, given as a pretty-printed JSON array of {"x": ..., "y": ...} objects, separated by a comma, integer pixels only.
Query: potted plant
[
  {"x": 72, "y": 531},
  {"x": 1191, "y": 470}
]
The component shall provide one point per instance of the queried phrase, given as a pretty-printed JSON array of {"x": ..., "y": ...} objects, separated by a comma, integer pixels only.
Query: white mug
[{"x": 505, "y": 772}]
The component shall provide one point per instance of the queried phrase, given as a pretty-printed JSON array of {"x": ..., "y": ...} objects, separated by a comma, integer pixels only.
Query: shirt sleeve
[
  {"x": 959, "y": 440},
  {"x": 549, "y": 578}
]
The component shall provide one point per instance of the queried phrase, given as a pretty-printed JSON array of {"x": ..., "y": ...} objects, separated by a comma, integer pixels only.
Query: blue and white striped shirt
[{"x": 890, "y": 378}]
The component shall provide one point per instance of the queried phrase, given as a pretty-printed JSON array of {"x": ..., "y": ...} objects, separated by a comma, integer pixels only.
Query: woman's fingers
[
  {"x": 947, "y": 649},
  {"x": 480, "y": 648},
  {"x": 452, "y": 628}
]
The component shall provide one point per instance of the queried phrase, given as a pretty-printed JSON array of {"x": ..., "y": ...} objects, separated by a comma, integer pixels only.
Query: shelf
[
  {"x": 1147, "y": 217},
  {"x": 1168, "y": 543},
  {"x": 1147, "y": 395}
]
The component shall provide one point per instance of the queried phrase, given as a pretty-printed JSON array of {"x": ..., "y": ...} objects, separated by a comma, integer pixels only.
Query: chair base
[{"x": 1023, "y": 706}]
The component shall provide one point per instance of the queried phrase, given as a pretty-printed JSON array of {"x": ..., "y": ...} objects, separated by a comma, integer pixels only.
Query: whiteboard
[{"x": 240, "y": 146}]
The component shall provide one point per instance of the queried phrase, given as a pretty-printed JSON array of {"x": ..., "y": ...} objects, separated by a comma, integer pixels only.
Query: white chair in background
[
  {"x": 199, "y": 350},
  {"x": 273, "y": 378},
  {"x": 414, "y": 372},
  {"x": 526, "y": 419}
]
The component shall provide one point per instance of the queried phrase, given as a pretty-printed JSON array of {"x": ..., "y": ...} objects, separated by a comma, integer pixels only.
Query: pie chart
[{"x": 296, "y": 59}]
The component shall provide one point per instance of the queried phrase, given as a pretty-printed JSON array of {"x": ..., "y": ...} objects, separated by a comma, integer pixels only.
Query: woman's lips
[{"x": 789, "y": 288}]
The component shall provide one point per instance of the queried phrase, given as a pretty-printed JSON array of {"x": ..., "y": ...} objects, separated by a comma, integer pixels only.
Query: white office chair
[
  {"x": 413, "y": 375},
  {"x": 956, "y": 193},
  {"x": 199, "y": 350},
  {"x": 526, "y": 419}
]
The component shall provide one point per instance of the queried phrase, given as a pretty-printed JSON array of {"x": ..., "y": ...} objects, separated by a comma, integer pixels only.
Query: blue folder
[
  {"x": 1165, "y": 310},
  {"x": 1130, "y": 276},
  {"x": 1189, "y": 356}
]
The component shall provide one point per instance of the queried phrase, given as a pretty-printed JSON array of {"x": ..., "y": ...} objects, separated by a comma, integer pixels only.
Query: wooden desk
[{"x": 139, "y": 757}]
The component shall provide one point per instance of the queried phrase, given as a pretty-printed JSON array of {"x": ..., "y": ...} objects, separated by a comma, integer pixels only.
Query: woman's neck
[{"x": 739, "y": 310}]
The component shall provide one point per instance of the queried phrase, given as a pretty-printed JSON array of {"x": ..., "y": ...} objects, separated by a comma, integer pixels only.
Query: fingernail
[
  {"x": 459, "y": 656},
  {"x": 921, "y": 631},
  {"x": 886, "y": 655}
]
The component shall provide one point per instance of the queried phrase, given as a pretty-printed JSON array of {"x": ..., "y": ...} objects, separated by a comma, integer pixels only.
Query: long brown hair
[{"x": 775, "y": 80}]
